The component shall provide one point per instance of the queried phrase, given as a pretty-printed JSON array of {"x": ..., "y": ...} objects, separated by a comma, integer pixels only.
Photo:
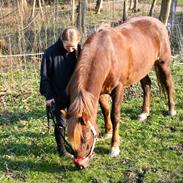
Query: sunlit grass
[{"x": 151, "y": 151}]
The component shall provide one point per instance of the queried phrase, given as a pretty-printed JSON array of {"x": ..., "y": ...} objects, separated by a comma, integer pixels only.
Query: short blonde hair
[{"x": 70, "y": 34}]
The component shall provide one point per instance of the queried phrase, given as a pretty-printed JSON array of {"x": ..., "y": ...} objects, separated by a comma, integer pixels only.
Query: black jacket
[{"x": 56, "y": 69}]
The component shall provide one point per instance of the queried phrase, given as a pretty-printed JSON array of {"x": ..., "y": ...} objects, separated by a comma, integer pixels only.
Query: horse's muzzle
[{"x": 83, "y": 162}]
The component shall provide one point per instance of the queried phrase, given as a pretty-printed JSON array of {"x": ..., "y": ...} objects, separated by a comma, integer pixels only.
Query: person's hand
[{"x": 50, "y": 102}]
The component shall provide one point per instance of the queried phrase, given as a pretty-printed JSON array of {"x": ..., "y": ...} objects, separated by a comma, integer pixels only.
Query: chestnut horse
[{"x": 111, "y": 60}]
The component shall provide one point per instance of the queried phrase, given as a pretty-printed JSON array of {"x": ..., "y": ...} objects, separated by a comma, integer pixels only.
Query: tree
[
  {"x": 134, "y": 8},
  {"x": 81, "y": 18},
  {"x": 125, "y": 10},
  {"x": 73, "y": 2},
  {"x": 172, "y": 14},
  {"x": 98, "y": 6},
  {"x": 152, "y": 7},
  {"x": 165, "y": 11}
]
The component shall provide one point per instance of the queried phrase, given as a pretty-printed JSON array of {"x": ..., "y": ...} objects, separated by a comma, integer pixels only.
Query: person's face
[{"x": 70, "y": 46}]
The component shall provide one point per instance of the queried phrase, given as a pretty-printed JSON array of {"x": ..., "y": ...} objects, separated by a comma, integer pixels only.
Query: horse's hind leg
[
  {"x": 163, "y": 72},
  {"x": 105, "y": 107},
  {"x": 146, "y": 86}
]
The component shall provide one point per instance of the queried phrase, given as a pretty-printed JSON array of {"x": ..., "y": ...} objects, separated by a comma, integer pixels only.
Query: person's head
[{"x": 70, "y": 38}]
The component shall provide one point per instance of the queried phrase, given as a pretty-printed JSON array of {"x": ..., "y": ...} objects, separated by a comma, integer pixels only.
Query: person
[{"x": 57, "y": 66}]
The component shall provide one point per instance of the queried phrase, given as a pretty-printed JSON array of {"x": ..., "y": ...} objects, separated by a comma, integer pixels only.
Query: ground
[{"x": 151, "y": 151}]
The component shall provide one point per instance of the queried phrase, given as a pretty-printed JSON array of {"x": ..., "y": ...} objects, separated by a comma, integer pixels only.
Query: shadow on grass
[
  {"x": 10, "y": 118},
  {"x": 102, "y": 150},
  {"x": 22, "y": 149},
  {"x": 35, "y": 158},
  {"x": 131, "y": 112},
  {"x": 26, "y": 134},
  {"x": 41, "y": 166}
]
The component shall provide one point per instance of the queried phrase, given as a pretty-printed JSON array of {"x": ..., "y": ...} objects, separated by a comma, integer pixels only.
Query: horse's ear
[
  {"x": 85, "y": 117},
  {"x": 64, "y": 113}
]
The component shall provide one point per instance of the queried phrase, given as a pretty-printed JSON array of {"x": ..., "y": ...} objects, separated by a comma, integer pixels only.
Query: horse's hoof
[
  {"x": 172, "y": 113},
  {"x": 114, "y": 152},
  {"x": 143, "y": 116},
  {"x": 107, "y": 135}
]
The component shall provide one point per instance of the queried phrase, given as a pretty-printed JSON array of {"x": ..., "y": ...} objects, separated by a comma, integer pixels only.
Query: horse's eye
[
  {"x": 87, "y": 147},
  {"x": 81, "y": 121},
  {"x": 83, "y": 140}
]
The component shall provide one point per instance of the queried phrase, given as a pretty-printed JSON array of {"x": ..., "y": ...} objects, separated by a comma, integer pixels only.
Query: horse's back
[
  {"x": 147, "y": 30},
  {"x": 146, "y": 40}
]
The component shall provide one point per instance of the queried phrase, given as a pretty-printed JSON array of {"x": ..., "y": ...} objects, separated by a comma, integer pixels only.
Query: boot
[
  {"x": 60, "y": 142},
  {"x": 59, "y": 132}
]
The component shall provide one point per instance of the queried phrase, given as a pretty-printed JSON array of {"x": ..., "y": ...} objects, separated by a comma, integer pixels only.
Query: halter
[
  {"x": 95, "y": 137},
  {"x": 50, "y": 115}
]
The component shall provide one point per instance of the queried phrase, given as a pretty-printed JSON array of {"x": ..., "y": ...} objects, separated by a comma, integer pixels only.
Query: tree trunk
[
  {"x": 41, "y": 9},
  {"x": 172, "y": 14},
  {"x": 130, "y": 5},
  {"x": 73, "y": 11},
  {"x": 165, "y": 11},
  {"x": 125, "y": 10},
  {"x": 81, "y": 19},
  {"x": 152, "y": 7},
  {"x": 98, "y": 6},
  {"x": 135, "y": 6},
  {"x": 33, "y": 9}
]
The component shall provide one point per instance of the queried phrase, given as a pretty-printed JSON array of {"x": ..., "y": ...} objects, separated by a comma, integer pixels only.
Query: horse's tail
[{"x": 160, "y": 77}]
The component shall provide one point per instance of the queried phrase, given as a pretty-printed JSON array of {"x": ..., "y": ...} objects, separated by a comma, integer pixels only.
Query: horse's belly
[
  {"x": 134, "y": 79},
  {"x": 138, "y": 73}
]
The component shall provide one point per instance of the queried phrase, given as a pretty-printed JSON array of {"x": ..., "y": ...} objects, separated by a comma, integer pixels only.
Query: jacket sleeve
[{"x": 45, "y": 74}]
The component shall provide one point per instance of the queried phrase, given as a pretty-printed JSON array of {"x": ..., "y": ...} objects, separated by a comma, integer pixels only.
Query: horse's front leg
[
  {"x": 117, "y": 95},
  {"x": 105, "y": 107}
]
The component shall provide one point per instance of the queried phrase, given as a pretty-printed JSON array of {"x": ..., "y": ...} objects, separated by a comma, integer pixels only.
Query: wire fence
[{"x": 25, "y": 36}]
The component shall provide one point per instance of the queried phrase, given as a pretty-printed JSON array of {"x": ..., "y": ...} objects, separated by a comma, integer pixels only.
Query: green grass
[{"x": 151, "y": 151}]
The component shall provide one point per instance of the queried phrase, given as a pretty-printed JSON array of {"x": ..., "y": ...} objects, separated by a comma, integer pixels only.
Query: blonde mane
[{"x": 81, "y": 101}]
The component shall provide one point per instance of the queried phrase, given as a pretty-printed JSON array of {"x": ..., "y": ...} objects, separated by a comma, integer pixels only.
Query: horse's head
[
  {"x": 81, "y": 126},
  {"x": 82, "y": 137}
]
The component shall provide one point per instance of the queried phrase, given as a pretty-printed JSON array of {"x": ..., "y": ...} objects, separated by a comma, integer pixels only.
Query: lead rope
[{"x": 51, "y": 116}]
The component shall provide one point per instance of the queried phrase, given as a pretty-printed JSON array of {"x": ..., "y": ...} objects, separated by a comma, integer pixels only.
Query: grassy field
[{"x": 151, "y": 151}]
